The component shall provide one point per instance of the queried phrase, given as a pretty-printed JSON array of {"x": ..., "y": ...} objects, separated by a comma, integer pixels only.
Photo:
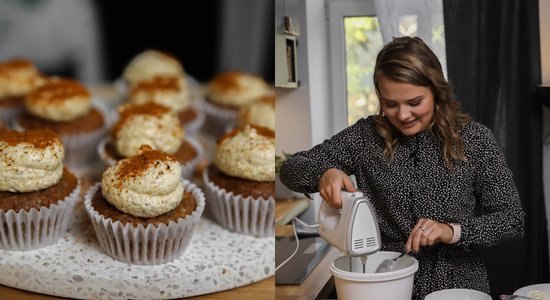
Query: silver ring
[{"x": 422, "y": 228}]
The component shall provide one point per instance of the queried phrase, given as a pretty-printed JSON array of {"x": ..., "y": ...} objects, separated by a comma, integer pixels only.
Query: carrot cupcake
[
  {"x": 64, "y": 106},
  {"x": 17, "y": 78},
  {"x": 37, "y": 194},
  {"x": 259, "y": 113},
  {"x": 173, "y": 92},
  {"x": 143, "y": 212},
  {"x": 154, "y": 125},
  {"x": 149, "y": 64},
  {"x": 227, "y": 92},
  {"x": 240, "y": 184}
]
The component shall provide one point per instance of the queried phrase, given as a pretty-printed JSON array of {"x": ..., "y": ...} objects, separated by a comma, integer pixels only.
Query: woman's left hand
[{"x": 427, "y": 232}]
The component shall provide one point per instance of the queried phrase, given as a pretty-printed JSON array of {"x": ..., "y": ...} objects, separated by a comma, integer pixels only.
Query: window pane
[{"x": 363, "y": 42}]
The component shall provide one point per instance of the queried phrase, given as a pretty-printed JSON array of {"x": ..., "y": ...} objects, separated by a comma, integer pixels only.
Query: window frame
[{"x": 337, "y": 11}]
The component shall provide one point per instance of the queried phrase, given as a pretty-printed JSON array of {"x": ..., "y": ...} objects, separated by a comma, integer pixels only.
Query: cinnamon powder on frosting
[
  {"x": 16, "y": 64},
  {"x": 136, "y": 165},
  {"x": 165, "y": 83},
  {"x": 39, "y": 138},
  {"x": 259, "y": 129},
  {"x": 128, "y": 111},
  {"x": 269, "y": 99},
  {"x": 228, "y": 80},
  {"x": 57, "y": 90}
]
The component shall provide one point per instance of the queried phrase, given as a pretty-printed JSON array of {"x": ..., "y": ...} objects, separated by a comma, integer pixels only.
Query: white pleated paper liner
[
  {"x": 8, "y": 114},
  {"x": 251, "y": 216},
  {"x": 187, "y": 168},
  {"x": 33, "y": 229},
  {"x": 80, "y": 149},
  {"x": 149, "y": 245},
  {"x": 122, "y": 89},
  {"x": 219, "y": 120},
  {"x": 196, "y": 124}
]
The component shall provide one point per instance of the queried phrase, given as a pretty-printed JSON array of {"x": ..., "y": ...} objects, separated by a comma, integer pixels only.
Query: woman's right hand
[{"x": 331, "y": 185}]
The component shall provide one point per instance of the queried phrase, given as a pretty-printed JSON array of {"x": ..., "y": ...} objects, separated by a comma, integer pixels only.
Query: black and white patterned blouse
[{"x": 479, "y": 193}]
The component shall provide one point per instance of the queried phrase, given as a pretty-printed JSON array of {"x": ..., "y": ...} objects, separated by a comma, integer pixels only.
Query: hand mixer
[{"x": 353, "y": 229}]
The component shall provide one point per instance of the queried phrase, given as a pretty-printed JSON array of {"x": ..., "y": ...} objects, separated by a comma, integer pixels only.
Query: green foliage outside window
[{"x": 363, "y": 41}]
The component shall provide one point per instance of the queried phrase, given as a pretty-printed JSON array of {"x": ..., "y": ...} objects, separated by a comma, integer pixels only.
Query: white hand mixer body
[{"x": 353, "y": 229}]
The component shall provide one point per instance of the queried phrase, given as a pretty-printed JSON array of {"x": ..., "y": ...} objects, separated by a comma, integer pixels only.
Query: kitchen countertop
[{"x": 264, "y": 289}]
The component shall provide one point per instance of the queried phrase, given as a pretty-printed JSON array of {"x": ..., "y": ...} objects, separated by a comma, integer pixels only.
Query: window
[{"x": 363, "y": 41}]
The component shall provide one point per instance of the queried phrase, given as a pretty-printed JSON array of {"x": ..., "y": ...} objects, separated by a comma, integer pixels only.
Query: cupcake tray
[{"x": 76, "y": 267}]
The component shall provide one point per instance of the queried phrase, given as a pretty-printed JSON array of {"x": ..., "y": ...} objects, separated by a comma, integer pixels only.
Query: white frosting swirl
[
  {"x": 26, "y": 167},
  {"x": 149, "y": 64},
  {"x": 59, "y": 100},
  {"x": 170, "y": 91},
  {"x": 236, "y": 89},
  {"x": 247, "y": 154},
  {"x": 160, "y": 131},
  {"x": 150, "y": 192}
]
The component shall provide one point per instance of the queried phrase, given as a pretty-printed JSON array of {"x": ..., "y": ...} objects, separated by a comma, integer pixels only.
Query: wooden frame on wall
[{"x": 286, "y": 60}]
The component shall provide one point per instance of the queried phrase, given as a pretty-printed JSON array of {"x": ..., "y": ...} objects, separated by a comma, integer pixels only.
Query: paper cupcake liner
[
  {"x": 219, "y": 120},
  {"x": 149, "y": 245},
  {"x": 187, "y": 169},
  {"x": 121, "y": 87},
  {"x": 8, "y": 114},
  {"x": 194, "y": 126},
  {"x": 102, "y": 152},
  {"x": 107, "y": 109},
  {"x": 80, "y": 149},
  {"x": 251, "y": 216},
  {"x": 28, "y": 230}
]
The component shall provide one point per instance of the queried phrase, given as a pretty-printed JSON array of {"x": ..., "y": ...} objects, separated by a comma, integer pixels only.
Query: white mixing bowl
[
  {"x": 458, "y": 294},
  {"x": 351, "y": 283}
]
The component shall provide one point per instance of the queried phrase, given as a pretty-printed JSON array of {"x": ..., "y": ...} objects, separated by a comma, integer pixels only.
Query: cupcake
[
  {"x": 173, "y": 92},
  {"x": 259, "y": 113},
  {"x": 64, "y": 106},
  {"x": 149, "y": 64},
  {"x": 240, "y": 184},
  {"x": 226, "y": 93},
  {"x": 143, "y": 212},
  {"x": 154, "y": 125},
  {"x": 37, "y": 194},
  {"x": 17, "y": 78}
]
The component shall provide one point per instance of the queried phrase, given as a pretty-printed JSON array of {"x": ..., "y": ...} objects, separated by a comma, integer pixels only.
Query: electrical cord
[{"x": 297, "y": 240}]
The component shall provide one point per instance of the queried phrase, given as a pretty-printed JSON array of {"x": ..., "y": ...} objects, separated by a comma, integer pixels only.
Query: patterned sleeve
[
  {"x": 502, "y": 218},
  {"x": 303, "y": 170}
]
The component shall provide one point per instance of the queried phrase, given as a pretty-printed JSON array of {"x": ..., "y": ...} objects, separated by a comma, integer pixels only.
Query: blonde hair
[{"x": 410, "y": 60}]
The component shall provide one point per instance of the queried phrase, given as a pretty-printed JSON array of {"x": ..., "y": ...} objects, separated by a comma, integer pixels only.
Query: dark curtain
[{"x": 493, "y": 62}]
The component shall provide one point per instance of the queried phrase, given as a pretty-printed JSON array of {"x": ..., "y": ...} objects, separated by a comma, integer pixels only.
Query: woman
[{"x": 438, "y": 181}]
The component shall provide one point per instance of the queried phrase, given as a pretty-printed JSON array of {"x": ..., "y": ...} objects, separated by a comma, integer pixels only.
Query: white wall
[
  {"x": 303, "y": 117},
  {"x": 292, "y": 105}
]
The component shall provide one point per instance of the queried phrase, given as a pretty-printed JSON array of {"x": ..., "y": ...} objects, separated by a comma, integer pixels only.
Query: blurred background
[{"x": 93, "y": 41}]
